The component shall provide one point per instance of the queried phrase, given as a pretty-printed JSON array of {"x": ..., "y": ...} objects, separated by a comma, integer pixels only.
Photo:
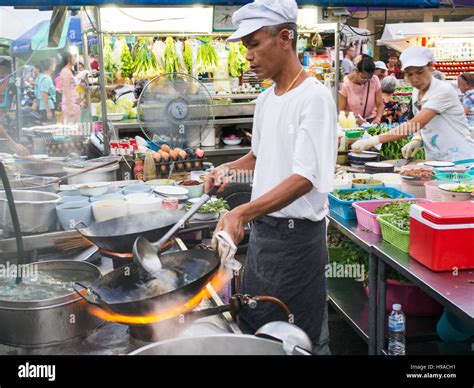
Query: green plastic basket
[
  {"x": 390, "y": 233},
  {"x": 452, "y": 176}
]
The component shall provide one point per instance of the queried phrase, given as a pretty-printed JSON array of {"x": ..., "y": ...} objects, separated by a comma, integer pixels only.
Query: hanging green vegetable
[
  {"x": 127, "y": 61},
  {"x": 144, "y": 63},
  {"x": 171, "y": 59},
  {"x": 207, "y": 60},
  {"x": 188, "y": 57},
  {"x": 110, "y": 62},
  {"x": 237, "y": 61}
]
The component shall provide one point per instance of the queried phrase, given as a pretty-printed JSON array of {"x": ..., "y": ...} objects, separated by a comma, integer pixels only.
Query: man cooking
[
  {"x": 439, "y": 123},
  {"x": 293, "y": 156}
]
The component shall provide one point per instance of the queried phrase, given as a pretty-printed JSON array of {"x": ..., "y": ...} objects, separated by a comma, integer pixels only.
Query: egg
[
  {"x": 156, "y": 156},
  {"x": 173, "y": 154},
  {"x": 163, "y": 168},
  {"x": 183, "y": 155},
  {"x": 165, "y": 156},
  {"x": 165, "y": 148}
]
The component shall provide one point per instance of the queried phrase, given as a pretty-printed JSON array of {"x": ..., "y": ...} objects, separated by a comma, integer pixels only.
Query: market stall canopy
[
  {"x": 400, "y": 36},
  {"x": 333, "y": 3},
  {"x": 36, "y": 39}
]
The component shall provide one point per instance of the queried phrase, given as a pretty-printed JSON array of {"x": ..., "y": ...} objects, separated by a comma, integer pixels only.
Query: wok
[
  {"x": 121, "y": 291},
  {"x": 119, "y": 234}
]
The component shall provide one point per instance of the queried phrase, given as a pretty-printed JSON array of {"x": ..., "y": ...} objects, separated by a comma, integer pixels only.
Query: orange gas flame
[{"x": 218, "y": 281}]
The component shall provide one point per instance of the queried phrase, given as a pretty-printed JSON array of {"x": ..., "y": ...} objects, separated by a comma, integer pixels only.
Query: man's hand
[
  {"x": 365, "y": 144},
  {"x": 217, "y": 177},
  {"x": 49, "y": 115},
  {"x": 233, "y": 223}
]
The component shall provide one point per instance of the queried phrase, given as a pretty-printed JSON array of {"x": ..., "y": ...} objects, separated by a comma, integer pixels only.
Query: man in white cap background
[
  {"x": 293, "y": 156},
  {"x": 380, "y": 70},
  {"x": 439, "y": 123}
]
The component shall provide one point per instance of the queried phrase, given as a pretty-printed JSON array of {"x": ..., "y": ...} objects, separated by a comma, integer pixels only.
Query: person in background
[
  {"x": 70, "y": 99},
  {"x": 439, "y": 75},
  {"x": 380, "y": 70},
  {"x": 393, "y": 65},
  {"x": 347, "y": 63},
  {"x": 94, "y": 63},
  {"x": 394, "y": 111},
  {"x": 45, "y": 91},
  {"x": 4, "y": 79},
  {"x": 13, "y": 145},
  {"x": 361, "y": 93},
  {"x": 439, "y": 123},
  {"x": 466, "y": 86}
]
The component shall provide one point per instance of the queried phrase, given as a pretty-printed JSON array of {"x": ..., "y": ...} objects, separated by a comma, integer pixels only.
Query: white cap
[
  {"x": 396, "y": 307},
  {"x": 417, "y": 56},
  {"x": 262, "y": 13},
  {"x": 380, "y": 65}
]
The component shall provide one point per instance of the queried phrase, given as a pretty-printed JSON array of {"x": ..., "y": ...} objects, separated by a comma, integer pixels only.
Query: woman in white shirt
[{"x": 439, "y": 123}]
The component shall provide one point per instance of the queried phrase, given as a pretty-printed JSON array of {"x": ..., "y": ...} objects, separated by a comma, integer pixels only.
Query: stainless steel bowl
[{"x": 36, "y": 211}]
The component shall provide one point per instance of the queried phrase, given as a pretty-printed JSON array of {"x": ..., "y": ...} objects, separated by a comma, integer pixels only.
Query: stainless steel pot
[
  {"x": 51, "y": 321},
  {"x": 219, "y": 345},
  {"x": 31, "y": 182},
  {"x": 281, "y": 339},
  {"x": 36, "y": 211}
]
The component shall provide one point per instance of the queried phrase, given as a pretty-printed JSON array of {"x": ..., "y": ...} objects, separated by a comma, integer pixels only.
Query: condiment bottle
[
  {"x": 150, "y": 167},
  {"x": 138, "y": 169}
]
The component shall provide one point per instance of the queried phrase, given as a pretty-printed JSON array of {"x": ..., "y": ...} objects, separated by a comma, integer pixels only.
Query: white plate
[
  {"x": 450, "y": 186},
  {"x": 379, "y": 164},
  {"x": 172, "y": 191},
  {"x": 206, "y": 216},
  {"x": 436, "y": 163}
]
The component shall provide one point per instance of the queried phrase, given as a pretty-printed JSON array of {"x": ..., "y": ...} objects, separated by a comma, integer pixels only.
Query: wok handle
[{"x": 79, "y": 288}]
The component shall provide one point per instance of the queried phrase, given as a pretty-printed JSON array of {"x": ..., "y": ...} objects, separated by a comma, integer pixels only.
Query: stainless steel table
[{"x": 454, "y": 291}]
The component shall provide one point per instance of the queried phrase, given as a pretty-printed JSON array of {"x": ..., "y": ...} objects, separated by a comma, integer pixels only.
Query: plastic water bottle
[{"x": 396, "y": 331}]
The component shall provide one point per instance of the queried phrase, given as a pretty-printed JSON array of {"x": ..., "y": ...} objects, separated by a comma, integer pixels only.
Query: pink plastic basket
[
  {"x": 414, "y": 187},
  {"x": 366, "y": 217},
  {"x": 413, "y": 300},
  {"x": 433, "y": 191}
]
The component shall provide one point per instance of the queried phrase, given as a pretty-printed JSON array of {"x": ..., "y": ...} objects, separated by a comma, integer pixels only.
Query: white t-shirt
[
  {"x": 296, "y": 133},
  {"x": 446, "y": 136}
]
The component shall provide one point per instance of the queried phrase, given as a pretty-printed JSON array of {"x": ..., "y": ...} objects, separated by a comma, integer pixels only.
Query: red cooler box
[{"x": 442, "y": 235}]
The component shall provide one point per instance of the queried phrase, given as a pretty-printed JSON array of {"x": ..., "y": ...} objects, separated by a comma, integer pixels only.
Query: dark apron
[{"x": 289, "y": 264}]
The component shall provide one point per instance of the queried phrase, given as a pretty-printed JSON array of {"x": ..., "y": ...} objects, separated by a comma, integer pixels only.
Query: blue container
[
  {"x": 452, "y": 329},
  {"x": 71, "y": 213},
  {"x": 345, "y": 210},
  {"x": 74, "y": 198},
  {"x": 137, "y": 188}
]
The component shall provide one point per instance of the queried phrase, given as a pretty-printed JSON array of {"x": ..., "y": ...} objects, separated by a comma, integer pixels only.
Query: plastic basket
[
  {"x": 416, "y": 188},
  {"x": 366, "y": 217},
  {"x": 433, "y": 192},
  {"x": 345, "y": 210},
  {"x": 397, "y": 237},
  {"x": 452, "y": 177}
]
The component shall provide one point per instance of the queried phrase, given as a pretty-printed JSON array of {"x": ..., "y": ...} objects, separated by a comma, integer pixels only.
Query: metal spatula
[{"x": 145, "y": 253}]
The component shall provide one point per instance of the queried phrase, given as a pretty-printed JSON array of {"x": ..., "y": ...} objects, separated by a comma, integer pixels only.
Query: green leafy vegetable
[
  {"x": 127, "y": 62},
  {"x": 362, "y": 195},
  {"x": 188, "y": 57},
  {"x": 171, "y": 59},
  {"x": 399, "y": 213},
  {"x": 212, "y": 207},
  {"x": 237, "y": 61},
  {"x": 393, "y": 150},
  {"x": 111, "y": 64},
  {"x": 207, "y": 59}
]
